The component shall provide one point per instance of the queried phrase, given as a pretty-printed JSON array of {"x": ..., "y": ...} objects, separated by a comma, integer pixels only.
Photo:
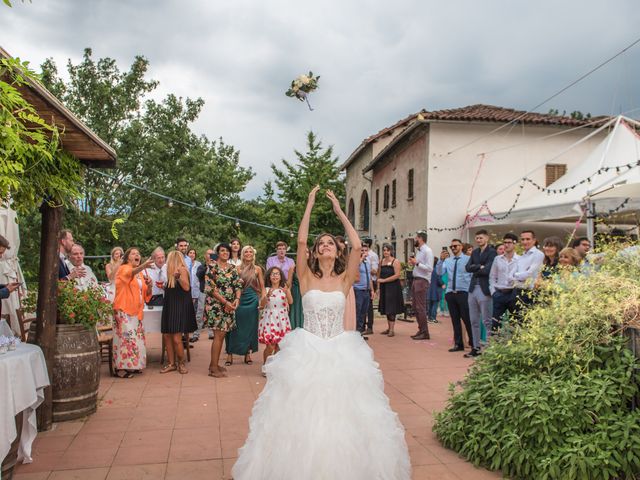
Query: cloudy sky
[{"x": 379, "y": 61}]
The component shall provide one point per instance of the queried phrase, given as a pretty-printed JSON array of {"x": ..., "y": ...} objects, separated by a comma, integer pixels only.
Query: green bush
[{"x": 552, "y": 400}]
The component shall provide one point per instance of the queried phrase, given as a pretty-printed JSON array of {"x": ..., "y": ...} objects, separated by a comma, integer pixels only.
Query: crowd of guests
[
  {"x": 240, "y": 304},
  {"x": 483, "y": 284},
  {"x": 225, "y": 293}
]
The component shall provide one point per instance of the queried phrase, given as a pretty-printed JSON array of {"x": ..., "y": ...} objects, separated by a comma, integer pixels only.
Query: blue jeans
[
  {"x": 433, "y": 309},
  {"x": 363, "y": 297}
]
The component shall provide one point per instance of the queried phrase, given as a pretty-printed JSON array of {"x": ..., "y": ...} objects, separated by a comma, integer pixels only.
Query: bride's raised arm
[
  {"x": 354, "y": 240},
  {"x": 303, "y": 234}
]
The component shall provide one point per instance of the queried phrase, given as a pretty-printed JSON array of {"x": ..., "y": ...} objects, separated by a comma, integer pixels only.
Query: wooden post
[{"x": 46, "y": 311}]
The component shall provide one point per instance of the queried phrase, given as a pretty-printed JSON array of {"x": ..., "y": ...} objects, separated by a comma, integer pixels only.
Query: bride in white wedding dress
[{"x": 323, "y": 414}]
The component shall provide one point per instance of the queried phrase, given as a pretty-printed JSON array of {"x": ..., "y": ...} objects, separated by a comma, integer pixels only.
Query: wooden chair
[
  {"x": 105, "y": 340},
  {"x": 24, "y": 324}
]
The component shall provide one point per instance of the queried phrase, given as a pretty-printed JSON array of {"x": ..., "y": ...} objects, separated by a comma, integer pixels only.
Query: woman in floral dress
[
  {"x": 274, "y": 322},
  {"x": 132, "y": 290},
  {"x": 222, "y": 287}
]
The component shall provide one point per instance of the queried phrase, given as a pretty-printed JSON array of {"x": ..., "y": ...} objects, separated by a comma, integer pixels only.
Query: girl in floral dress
[
  {"x": 222, "y": 287},
  {"x": 274, "y": 322}
]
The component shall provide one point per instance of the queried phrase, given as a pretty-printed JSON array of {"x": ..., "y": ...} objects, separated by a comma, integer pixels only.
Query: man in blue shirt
[
  {"x": 363, "y": 289},
  {"x": 457, "y": 292}
]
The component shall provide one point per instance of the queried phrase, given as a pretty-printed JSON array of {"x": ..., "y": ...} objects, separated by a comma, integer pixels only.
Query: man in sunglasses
[{"x": 457, "y": 292}]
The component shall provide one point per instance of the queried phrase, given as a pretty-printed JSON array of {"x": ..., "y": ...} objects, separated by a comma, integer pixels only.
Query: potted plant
[{"x": 76, "y": 368}]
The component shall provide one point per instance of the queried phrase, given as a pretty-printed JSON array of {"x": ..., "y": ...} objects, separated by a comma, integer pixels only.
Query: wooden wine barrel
[
  {"x": 76, "y": 372},
  {"x": 9, "y": 462}
]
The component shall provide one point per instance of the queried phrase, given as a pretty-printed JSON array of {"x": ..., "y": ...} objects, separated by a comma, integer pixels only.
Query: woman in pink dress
[{"x": 274, "y": 322}]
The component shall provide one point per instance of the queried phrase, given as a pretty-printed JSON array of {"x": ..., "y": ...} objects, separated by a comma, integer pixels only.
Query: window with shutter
[
  {"x": 393, "y": 194},
  {"x": 554, "y": 171},
  {"x": 410, "y": 185},
  {"x": 385, "y": 198}
]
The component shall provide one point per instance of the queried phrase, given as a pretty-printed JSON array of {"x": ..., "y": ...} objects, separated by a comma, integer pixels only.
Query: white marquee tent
[{"x": 615, "y": 161}]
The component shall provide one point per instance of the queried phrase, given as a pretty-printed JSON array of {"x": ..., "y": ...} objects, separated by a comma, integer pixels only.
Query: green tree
[
  {"x": 285, "y": 204},
  {"x": 32, "y": 165},
  {"x": 157, "y": 150}
]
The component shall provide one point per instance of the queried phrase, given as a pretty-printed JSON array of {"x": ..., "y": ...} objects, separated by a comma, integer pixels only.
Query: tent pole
[{"x": 590, "y": 218}]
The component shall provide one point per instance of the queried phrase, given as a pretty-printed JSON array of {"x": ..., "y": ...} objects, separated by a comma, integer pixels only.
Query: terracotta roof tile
[{"x": 491, "y": 113}]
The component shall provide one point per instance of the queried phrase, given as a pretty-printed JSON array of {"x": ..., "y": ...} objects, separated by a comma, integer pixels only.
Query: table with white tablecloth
[
  {"x": 151, "y": 318},
  {"x": 23, "y": 378}
]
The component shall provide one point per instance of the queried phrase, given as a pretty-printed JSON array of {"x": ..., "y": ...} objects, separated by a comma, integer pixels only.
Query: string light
[{"x": 171, "y": 201}]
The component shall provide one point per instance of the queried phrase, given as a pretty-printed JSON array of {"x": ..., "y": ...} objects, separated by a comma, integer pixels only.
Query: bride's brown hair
[{"x": 340, "y": 264}]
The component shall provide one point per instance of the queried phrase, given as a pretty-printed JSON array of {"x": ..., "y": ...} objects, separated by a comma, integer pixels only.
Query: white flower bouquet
[{"x": 302, "y": 86}]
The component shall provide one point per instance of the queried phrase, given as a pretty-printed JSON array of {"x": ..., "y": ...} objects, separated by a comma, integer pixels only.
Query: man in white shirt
[
  {"x": 158, "y": 274},
  {"x": 501, "y": 280},
  {"x": 526, "y": 272},
  {"x": 374, "y": 263},
  {"x": 422, "y": 268},
  {"x": 83, "y": 276}
]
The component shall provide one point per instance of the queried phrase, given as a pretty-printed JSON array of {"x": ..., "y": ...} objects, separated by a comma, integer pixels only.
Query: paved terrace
[{"x": 190, "y": 426}]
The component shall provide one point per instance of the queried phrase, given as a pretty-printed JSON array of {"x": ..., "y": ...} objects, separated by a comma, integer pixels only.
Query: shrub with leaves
[{"x": 553, "y": 400}]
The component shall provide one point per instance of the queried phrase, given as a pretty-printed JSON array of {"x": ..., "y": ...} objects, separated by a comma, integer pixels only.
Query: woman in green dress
[
  {"x": 244, "y": 339},
  {"x": 296, "y": 317}
]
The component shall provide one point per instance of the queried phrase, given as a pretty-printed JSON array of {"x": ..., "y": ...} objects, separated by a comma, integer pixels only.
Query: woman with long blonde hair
[
  {"x": 243, "y": 340},
  {"x": 178, "y": 314},
  {"x": 111, "y": 269}
]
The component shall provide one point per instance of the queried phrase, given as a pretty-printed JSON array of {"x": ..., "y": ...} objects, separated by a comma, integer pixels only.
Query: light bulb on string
[
  {"x": 169, "y": 203},
  {"x": 237, "y": 223}
]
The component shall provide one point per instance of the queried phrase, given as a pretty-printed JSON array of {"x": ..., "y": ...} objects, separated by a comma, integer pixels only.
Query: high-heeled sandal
[
  {"x": 247, "y": 359},
  {"x": 386, "y": 332},
  {"x": 228, "y": 362},
  {"x": 182, "y": 369},
  {"x": 170, "y": 367}
]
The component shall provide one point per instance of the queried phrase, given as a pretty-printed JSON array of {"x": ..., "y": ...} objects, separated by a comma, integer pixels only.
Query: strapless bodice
[{"x": 323, "y": 313}]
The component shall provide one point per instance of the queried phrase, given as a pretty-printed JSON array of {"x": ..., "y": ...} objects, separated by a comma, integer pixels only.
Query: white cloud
[{"x": 379, "y": 61}]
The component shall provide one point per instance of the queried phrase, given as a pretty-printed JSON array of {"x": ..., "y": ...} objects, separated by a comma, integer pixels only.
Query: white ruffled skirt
[{"x": 323, "y": 415}]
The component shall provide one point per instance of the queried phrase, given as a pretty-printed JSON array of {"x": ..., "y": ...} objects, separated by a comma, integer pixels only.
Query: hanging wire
[
  {"x": 559, "y": 92},
  {"x": 171, "y": 201}
]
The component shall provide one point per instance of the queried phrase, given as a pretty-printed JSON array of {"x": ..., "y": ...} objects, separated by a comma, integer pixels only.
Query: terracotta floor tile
[
  {"x": 82, "y": 474},
  {"x": 230, "y": 447},
  {"x": 142, "y": 455},
  {"x": 110, "y": 412},
  {"x": 199, "y": 470},
  {"x": 42, "y": 462},
  {"x": 63, "y": 428},
  {"x": 31, "y": 476},
  {"x": 421, "y": 456},
  {"x": 96, "y": 441},
  {"x": 80, "y": 458},
  {"x": 434, "y": 472},
  {"x": 159, "y": 438},
  {"x": 137, "y": 472},
  {"x": 467, "y": 470},
  {"x": 195, "y": 444},
  {"x": 103, "y": 425},
  {"x": 57, "y": 443}
]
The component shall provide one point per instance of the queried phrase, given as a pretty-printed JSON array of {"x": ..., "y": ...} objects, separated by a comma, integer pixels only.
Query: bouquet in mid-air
[{"x": 302, "y": 86}]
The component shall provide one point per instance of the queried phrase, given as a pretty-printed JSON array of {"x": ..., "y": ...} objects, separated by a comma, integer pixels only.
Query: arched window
[
  {"x": 364, "y": 211},
  {"x": 351, "y": 212}
]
